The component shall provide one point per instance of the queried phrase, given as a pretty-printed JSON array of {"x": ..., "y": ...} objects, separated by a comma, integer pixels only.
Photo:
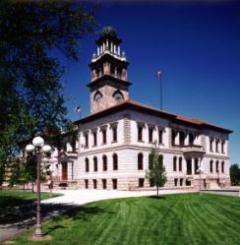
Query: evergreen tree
[
  {"x": 235, "y": 174},
  {"x": 156, "y": 174}
]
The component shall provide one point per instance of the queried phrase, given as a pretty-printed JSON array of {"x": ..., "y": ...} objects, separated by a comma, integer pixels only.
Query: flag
[
  {"x": 159, "y": 74},
  {"x": 77, "y": 109}
]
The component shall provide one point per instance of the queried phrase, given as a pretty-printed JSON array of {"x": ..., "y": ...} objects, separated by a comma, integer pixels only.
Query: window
[
  {"x": 86, "y": 165},
  {"x": 115, "y": 162},
  {"x": 217, "y": 144},
  {"x": 222, "y": 167},
  {"x": 181, "y": 138},
  {"x": 160, "y": 136},
  {"x": 181, "y": 182},
  {"x": 140, "y": 161},
  {"x": 191, "y": 139},
  {"x": 180, "y": 164},
  {"x": 114, "y": 133},
  {"x": 97, "y": 96},
  {"x": 150, "y": 134},
  {"x": 141, "y": 182},
  {"x": 95, "y": 164},
  {"x": 118, "y": 96},
  {"x": 189, "y": 166},
  {"x": 173, "y": 136},
  {"x": 104, "y": 163},
  {"x": 211, "y": 166},
  {"x": 104, "y": 136},
  {"x": 95, "y": 138},
  {"x": 104, "y": 183},
  {"x": 150, "y": 156},
  {"x": 196, "y": 166},
  {"x": 114, "y": 183},
  {"x": 175, "y": 182},
  {"x": 175, "y": 164},
  {"x": 160, "y": 160},
  {"x": 211, "y": 145},
  {"x": 86, "y": 140},
  {"x": 188, "y": 182},
  {"x": 217, "y": 167},
  {"x": 95, "y": 184},
  {"x": 86, "y": 183},
  {"x": 223, "y": 146},
  {"x": 140, "y": 132}
]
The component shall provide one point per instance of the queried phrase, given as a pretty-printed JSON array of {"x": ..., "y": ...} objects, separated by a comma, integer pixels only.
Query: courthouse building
[{"x": 116, "y": 138}]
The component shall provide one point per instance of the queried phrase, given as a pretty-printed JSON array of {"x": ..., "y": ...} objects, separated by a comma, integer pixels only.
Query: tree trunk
[
  {"x": 32, "y": 187},
  {"x": 157, "y": 190}
]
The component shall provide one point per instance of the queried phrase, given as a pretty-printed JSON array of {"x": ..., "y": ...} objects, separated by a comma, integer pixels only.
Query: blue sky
[{"x": 197, "y": 47}]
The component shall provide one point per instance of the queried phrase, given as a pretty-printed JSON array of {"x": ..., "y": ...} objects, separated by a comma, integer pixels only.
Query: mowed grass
[
  {"x": 174, "y": 219},
  {"x": 9, "y": 198}
]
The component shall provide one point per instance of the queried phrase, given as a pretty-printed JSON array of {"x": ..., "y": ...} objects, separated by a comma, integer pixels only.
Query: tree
[
  {"x": 34, "y": 34},
  {"x": 156, "y": 174},
  {"x": 235, "y": 174}
]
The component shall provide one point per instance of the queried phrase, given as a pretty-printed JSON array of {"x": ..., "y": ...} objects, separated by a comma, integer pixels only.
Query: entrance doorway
[{"x": 64, "y": 171}]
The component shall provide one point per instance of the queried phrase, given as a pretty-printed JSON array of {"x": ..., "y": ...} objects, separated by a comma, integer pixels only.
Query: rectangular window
[
  {"x": 150, "y": 135},
  {"x": 94, "y": 184},
  {"x": 181, "y": 182},
  {"x": 104, "y": 136},
  {"x": 180, "y": 164},
  {"x": 140, "y": 133},
  {"x": 211, "y": 145},
  {"x": 94, "y": 138},
  {"x": 86, "y": 140},
  {"x": 173, "y": 137},
  {"x": 141, "y": 182},
  {"x": 114, "y": 133},
  {"x": 217, "y": 144},
  {"x": 86, "y": 183},
  {"x": 114, "y": 183},
  {"x": 104, "y": 184},
  {"x": 223, "y": 144},
  {"x": 160, "y": 136},
  {"x": 175, "y": 182},
  {"x": 196, "y": 166}
]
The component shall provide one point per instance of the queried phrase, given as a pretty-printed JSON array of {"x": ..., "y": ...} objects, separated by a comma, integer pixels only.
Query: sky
[{"x": 196, "y": 45}]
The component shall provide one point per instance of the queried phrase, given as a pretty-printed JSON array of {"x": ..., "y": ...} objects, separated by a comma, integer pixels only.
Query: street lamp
[{"x": 38, "y": 147}]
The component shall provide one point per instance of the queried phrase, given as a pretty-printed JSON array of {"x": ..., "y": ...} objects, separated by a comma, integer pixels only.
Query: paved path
[
  {"x": 75, "y": 198},
  {"x": 80, "y": 197}
]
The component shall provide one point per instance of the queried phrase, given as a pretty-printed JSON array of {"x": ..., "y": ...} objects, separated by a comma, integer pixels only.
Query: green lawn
[
  {"x": 174, "y": 219},
  {"x": 13, "y": 205}
]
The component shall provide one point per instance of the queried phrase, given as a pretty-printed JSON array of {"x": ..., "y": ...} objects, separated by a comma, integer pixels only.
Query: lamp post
[{"x": 38, "y": 148}]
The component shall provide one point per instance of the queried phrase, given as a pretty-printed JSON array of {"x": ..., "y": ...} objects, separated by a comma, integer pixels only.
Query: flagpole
[{"x": 159, "y": 77}]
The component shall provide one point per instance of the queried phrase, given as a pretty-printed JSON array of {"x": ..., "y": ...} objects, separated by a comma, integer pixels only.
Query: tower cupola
[{"x": 109, "y": 81}]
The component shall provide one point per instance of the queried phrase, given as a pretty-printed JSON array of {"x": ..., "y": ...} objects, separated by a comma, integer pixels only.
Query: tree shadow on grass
[
  {"x": 22, "y": 216},
  {"x": 157, "y": 197}
]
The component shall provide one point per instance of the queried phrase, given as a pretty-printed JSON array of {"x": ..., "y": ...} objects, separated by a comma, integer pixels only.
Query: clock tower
[{"x": 109, "y": 82}]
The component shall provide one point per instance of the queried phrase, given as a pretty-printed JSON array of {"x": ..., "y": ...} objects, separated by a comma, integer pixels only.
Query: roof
[{"x": 133, "y": 105}]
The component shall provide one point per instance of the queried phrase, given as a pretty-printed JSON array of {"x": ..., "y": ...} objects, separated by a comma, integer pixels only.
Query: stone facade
[{"x": 115, "y": 140}]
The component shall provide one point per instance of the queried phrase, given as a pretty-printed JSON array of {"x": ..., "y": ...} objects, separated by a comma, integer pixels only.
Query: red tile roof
[{"x": 130, "y": 104}]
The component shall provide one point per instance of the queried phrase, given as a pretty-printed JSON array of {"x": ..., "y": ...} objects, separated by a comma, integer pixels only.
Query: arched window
[
  {"x": 95, "y": 163},
  {"x": 86, "y": 165},
  {"x": 97, "y": 96},
  {"x": 140, "y": 161},
  {"x": 180, "y": 164},
  {"x": 222, "y": 166},
  {"x": 175, "y": 164},
  {"x": 115, "y": 161},
  {"x": 211, "y": 166},
  {"x": 217, "y": 166},
  {"x": 104, "y": 163},
  {"x": 118, "y": 96},
  {"x": 181, "y": 138}
]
